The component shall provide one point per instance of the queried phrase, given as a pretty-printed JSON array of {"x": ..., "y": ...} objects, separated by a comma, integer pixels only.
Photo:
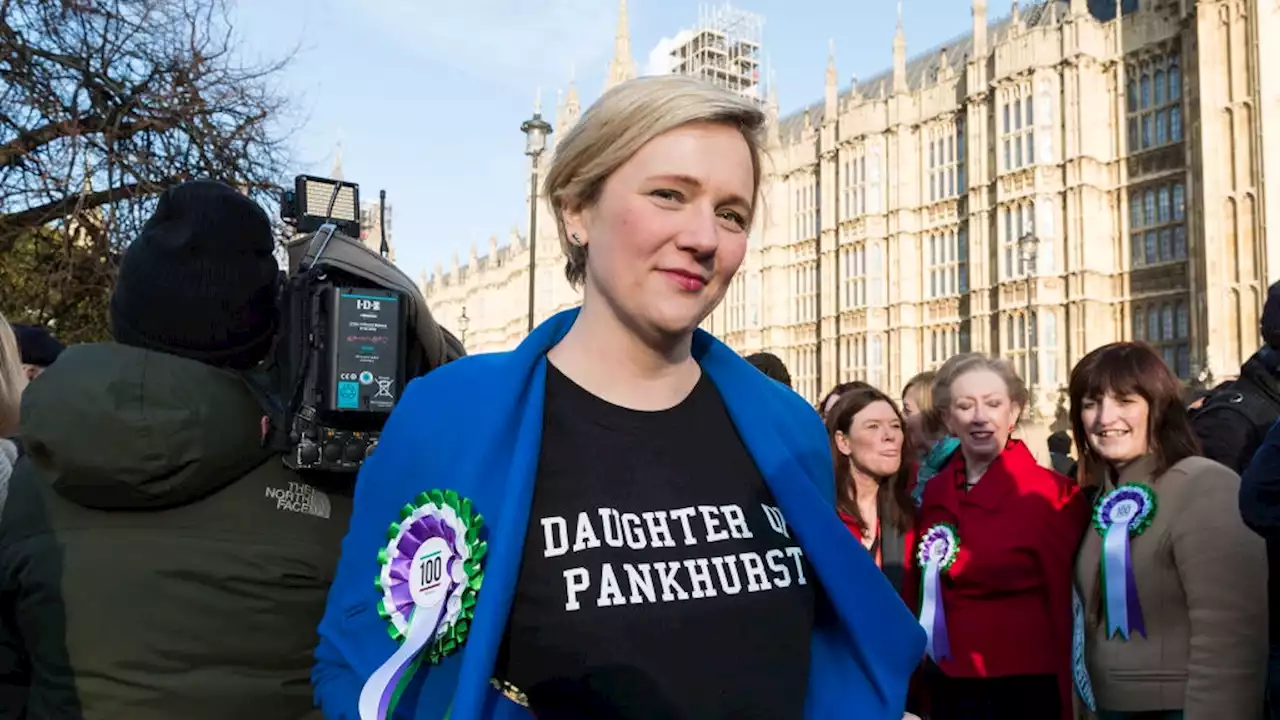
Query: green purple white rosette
[
  {"x": 939, "y": 547},
  {"x": 431, "y": 570},
  {"x": 1119, "y": 515}
]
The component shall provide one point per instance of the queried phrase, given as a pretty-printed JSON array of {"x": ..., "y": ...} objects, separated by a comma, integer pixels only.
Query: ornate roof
[{"x": 922, "y": 69}]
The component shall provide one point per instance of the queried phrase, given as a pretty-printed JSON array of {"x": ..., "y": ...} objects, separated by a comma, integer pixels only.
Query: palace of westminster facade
[{"x": 1054, "y": 180}]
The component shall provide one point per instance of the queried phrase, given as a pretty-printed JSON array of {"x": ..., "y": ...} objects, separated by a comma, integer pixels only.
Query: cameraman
[{"x": 155, "y": 560}]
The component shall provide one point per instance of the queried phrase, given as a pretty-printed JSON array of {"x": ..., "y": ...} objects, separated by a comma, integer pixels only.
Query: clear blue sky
[{"x": 427, "y": 97}]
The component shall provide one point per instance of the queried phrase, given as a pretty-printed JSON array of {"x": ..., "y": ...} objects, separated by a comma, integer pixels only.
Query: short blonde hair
[
  {"x": 966, "y": 363},
  {"x": 922, "y": 386},
  {"x": 13, "y": 380},
  {"x": 624, "y": 120}
]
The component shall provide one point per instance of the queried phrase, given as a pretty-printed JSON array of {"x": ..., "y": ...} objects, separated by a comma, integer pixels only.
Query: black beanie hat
[
  {"x": 1271, "y": 317},
  {"x": 37, "y": 345},
  {"x": 200, "y": 280}
]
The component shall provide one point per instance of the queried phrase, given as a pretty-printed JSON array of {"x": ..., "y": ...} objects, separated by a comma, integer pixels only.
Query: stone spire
[
  {"x": 832, "y": 87},
  {"x": 899, "y": 56},
  {"x": 559, "y": 111},
  {"x": 336, "y": 172},
  {"x": 622, "y": 67},
  {"x": 572, "y": 106},
  {"x": 979, "y": 28}
]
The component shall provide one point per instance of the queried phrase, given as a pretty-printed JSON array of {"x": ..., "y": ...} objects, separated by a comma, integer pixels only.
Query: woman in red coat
[{"x": 992, "y": 572}]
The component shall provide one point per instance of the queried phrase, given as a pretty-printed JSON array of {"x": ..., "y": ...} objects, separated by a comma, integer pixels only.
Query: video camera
[{"x": 354, "y": 330}]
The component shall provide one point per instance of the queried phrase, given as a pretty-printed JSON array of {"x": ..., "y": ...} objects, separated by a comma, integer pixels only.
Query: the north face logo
[{"x": 301, "y": 498}]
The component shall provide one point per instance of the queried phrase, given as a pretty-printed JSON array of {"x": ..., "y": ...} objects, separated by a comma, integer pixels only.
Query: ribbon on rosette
[
  {"x": 938, "y": 549},
  {"x": 1121, "y": 514},
  {"x": 431, "y": 570}
]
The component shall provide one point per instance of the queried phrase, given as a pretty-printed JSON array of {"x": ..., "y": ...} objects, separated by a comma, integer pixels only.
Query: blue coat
[{"x": 475, "y": 426}]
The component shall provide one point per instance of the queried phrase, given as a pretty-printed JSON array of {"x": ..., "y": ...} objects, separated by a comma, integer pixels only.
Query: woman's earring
[{"x": 576, "y": 240}]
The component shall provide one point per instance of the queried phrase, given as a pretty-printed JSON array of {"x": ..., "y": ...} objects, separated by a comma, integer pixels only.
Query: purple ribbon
[
  {"x": 938, "y": 550},
  {"x": 1120, "y": 510},
  {"x": 932, "y": 615}
]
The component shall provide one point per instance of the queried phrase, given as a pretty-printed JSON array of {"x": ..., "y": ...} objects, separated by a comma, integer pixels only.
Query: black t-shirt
[{"x": 659, "y": 580}]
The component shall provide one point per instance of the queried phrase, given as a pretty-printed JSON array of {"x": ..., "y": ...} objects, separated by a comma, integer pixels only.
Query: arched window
[
  {"x": 1050, "y": 345},
  {"x": 875, "y": 274},
  {"x": 1175, "y": 82},
  {"x": 876, "y": 361},
  {"x": 1145, "y": 84}
]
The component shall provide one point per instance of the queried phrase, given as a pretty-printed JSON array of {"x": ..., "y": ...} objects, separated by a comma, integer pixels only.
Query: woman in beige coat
[{"x": 1174, "y": 584}]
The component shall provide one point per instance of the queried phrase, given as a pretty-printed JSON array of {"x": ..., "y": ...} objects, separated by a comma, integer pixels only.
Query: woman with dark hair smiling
[
  {"x": 868, "y": 446},
  {"x": 1173, "y": 582}
]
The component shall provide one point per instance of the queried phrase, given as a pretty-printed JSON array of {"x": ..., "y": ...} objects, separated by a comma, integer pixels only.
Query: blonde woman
[
  {"x": 12, "y": 382},
  {"x": 621, "y": 518},
  {"x": 932, "y": 445},
  {"x": 1174, "y": 583}
]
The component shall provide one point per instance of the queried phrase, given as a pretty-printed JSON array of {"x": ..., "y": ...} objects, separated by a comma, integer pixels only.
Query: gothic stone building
[{"x": 1053, "y": 180}]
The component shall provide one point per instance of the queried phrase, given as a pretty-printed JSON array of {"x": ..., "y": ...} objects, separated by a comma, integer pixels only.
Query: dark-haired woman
[
  {"x": 1173, "y": 582},
  {"x": 833, "y": 396},
  {"x": 872, "y": 497}
]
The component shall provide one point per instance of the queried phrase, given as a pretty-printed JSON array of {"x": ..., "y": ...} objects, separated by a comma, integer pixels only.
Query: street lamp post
[
  {"x": 535, "y": 130},
  {"x": 463, "y": 323},
  {"x": 1028, "y": 247}
]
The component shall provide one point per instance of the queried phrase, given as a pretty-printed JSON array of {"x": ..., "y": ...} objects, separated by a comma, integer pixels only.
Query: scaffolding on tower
[{"x": 724, "y": 48}]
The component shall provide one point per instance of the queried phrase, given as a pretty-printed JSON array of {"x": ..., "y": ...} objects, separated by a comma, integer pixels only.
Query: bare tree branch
[{"x": 104, "y": 103}]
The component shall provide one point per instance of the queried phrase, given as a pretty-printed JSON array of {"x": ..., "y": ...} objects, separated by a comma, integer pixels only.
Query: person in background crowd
[
  {"x": 833, "y": 397},
  {"x": 1233, "y": 420},
  {"x": 12, "y": 382},
  {"x": 617, "y": 441},
  {"x": 39, "y": 349},
  {"x": 1183, "y": 640},
  {"x": 771, "y": 365},
  {"x": 931, "y": 446},
  {"x": 1197, "y": 399},
  {"x": 1260, "y": 508},
  {"x": 1060, "y": 454},
  {"x": 996, "y": 539},
  {"x": 873, "y": 499},
  {"x": 155, "y": 561}
]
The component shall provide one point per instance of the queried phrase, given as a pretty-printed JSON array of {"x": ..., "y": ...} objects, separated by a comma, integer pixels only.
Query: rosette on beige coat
[{"x": 1201, "y": 578}]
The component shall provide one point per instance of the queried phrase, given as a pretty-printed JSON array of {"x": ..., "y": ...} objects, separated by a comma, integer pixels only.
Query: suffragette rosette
[
  {"x": 1119, "y": 515},
  {"x": 431, "y": 570},
  {"x": 938, "y": 550}
]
